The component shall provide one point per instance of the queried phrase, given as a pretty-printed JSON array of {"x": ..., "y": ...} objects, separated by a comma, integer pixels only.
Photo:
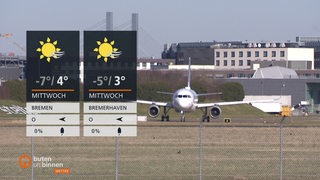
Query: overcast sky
[{"x": 165, "y": 21}]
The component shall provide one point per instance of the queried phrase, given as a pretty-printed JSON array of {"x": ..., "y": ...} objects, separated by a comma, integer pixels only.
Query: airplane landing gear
[
  {"x": 165, "y": 116},
  {"x": 205, "y": 116},
  {"x": 183, "y": 118}
]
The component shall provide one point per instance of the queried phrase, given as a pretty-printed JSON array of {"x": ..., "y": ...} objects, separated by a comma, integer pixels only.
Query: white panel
[
  {"x": 53, "y": 119},
  {"x": 284, "y": 100},
  {"x": 110, "y": 131},
  {"x": 268, "y": 107},
  {"x": 256, "y": 66},
  {"x": 300, "y": 54},
  {"x": 110, "y": 119},
  {"x": 53, "y": 131},
  {"x": 110, "y": 107},
  {"x": 49, "y": 107}
]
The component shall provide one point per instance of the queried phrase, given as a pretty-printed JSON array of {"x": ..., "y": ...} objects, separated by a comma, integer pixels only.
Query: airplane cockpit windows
[{"x": 183, "y": 96}]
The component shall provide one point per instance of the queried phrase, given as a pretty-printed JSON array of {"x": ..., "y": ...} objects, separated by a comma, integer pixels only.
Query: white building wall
[
  {"x": 263, "y": 54},
  {"x": 270, "y": 107},
  {"x": 143, "y": 66},
  {"x": 193, "y": 67},
  {"x": 301, "y": 54},
  {"x": 233, "y": 58},
  {"x": 284, "y": 100}
]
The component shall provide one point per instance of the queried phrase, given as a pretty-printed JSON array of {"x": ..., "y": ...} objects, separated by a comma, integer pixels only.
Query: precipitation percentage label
[
  {"x": 110, "y": 61},
  {"x": 52, "y": 66}
]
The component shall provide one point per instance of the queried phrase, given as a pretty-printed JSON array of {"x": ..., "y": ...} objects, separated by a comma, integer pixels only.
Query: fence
[{"x": 168, "y": 151}]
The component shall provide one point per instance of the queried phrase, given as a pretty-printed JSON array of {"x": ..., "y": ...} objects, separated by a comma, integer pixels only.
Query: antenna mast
[{"x": 189, "y": 74}]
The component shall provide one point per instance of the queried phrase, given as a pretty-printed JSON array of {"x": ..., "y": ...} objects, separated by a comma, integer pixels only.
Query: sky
[{"x": 164, "y": 21}]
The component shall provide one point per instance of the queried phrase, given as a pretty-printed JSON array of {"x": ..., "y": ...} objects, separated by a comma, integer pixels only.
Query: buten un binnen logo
[
  {"x": 106, "y": 50},
  {"x": 25, "y": 161}
]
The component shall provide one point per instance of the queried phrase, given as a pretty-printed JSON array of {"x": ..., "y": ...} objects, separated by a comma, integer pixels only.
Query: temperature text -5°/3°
[{"x": 109, "y": 80}]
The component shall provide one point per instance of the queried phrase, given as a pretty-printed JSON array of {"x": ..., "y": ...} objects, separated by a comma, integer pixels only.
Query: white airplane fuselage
[{"x": 185, "y": 100}]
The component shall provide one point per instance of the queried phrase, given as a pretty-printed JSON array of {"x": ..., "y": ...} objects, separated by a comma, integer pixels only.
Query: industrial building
[
  {"x": 11, "y": 68},
  {"x": 152, "y": 63},
  {"x": 283, "y": 84},
  {"x": 302, "y": 54},
  {"x": 311, "y": 42},
  {"x": 256, "y": 57}
]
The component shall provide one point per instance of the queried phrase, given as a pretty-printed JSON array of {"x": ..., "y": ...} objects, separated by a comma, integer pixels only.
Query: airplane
[{"x": 186, "y": 100}]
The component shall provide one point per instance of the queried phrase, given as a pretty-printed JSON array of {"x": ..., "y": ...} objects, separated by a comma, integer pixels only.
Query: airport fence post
[
  {"x": 281, "y": 155},
  {"x": 200, "y": 151},
  {"x": 32, "y": 156},
  {"x": 117, "y": 156}
]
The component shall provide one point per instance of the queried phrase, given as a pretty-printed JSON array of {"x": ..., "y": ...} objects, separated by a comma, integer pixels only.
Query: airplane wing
[
  {"x": 166, "y": 104},
  {"x": 167, "y": 93},
  {"x": 202, "y": 105},
  {"x": 210, "y": 94}
]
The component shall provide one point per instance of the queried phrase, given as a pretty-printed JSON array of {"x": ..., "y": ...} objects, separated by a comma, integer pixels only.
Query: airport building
[
  {"x": 11, "y": 68},
  {"x": 311, "y": 42},
  {"x": 284, "y": 84},
  {"x": 257, "y": 57},
  {"x": 153, "y": 63},
  {"x": 233, "y": 55}
]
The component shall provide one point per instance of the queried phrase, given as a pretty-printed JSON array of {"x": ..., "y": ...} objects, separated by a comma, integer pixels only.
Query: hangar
[{"x": 282, "y": 82}]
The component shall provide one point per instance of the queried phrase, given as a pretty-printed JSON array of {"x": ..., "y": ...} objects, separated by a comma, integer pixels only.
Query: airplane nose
[{"x": 185, "y": 105}]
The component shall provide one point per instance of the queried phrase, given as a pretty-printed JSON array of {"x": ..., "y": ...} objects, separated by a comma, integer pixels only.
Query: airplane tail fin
[{"x": 189, "y": 74}]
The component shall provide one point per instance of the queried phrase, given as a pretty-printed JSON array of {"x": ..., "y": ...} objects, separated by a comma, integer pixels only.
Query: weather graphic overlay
[
  {"x": 110, "y": 83},
  {"x": 53, "y": 66},
  {"x": 49, "y": 50},
  {"x": 110, "y": 67},
  {"x": 53, "y": 91},
  {"x": 106, "y": 50}
]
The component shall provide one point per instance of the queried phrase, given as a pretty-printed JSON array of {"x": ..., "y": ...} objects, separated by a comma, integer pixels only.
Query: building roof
[
  {"x": 275, "y": 72},
  {"x": 209, "y": 44},
  {"x": 151, "y": 60}
]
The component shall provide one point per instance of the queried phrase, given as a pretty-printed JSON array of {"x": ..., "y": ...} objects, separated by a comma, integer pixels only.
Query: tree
[{"x": 232, "y": 91}]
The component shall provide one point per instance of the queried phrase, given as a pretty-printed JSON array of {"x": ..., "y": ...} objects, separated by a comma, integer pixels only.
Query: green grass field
[{"x": 170, "y": 152}]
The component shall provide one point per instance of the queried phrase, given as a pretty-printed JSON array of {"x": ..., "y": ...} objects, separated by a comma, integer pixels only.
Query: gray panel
[
  {"x": 297, "y": 64},
  {"x": 199, "y": 56}
]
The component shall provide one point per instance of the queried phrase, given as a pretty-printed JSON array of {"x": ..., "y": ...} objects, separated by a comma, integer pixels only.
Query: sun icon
[
  {"x": 106, "y": 50},
  {"x": 48, "y": 49}
]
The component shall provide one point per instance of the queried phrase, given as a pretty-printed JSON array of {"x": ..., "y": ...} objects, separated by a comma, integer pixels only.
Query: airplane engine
[
  {"x": 154, "y": 111},
  {"x": 215, "y": 111}
]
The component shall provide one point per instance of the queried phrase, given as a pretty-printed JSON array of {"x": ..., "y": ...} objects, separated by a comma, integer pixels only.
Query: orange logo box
[
  {"x": 62, "y": 171},
  {"x": 25, "y": 161}
]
